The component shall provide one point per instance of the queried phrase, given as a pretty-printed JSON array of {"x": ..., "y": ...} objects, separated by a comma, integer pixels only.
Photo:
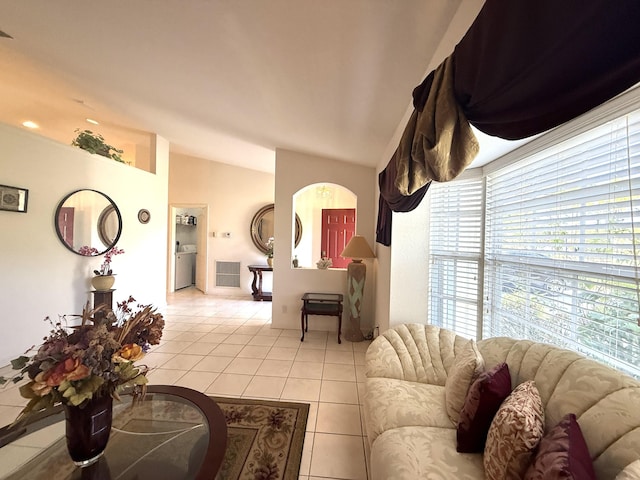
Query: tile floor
[{"x": 226, "y": 346}]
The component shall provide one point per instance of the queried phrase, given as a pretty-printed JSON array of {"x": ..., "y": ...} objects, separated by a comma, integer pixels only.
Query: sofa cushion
[
  {"x": 391, "y": 403},
  {"x": 631, "y": 472},
  {"x": 604, "y": 399},
  {"x": 515, "y": 432},
  {"x": 467, "y": 365},
  {"x": 562, "y": 454},
  {"x": 485, "y": 396},
  {"x": 411, "y": 453}
]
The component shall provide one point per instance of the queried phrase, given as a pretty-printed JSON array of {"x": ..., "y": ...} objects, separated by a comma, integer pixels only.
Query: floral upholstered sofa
[{"x": 414, "y": 385}]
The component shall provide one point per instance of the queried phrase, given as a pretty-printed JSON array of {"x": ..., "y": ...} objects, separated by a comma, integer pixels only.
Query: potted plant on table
[
  {"x": 269, "y": 245},
  {"x": 84, "y": 367}
]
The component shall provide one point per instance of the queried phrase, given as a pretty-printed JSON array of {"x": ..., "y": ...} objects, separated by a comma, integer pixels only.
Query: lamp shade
[{"x": 357, "y": 248}]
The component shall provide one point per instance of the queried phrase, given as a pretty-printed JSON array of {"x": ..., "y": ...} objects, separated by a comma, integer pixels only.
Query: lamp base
[{"x": 356, "y": 274}]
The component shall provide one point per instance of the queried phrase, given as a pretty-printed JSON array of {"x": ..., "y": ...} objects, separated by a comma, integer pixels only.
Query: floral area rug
[
  {"x": 265, "y": 439},
  {"x": 264, "y": 442}
]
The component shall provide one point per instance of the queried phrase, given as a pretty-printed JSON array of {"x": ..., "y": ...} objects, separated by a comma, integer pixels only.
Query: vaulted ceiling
[{"x": 226, "y": 80}]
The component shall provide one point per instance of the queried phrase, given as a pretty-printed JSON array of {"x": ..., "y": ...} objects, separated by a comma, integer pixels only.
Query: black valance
[{"x": 526, "y": 66}]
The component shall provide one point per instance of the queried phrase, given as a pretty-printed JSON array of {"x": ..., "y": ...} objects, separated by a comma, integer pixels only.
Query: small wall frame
[{"x": 13, "y": 199}]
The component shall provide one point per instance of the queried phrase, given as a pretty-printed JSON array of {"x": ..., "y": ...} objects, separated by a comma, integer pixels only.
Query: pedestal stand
[
  {"x": 102, "y": 297},
  {"x": 356, "y": 273}
]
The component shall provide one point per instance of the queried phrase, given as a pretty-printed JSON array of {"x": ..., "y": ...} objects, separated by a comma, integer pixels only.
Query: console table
[
  {"x": 175, "y": 432},
  {"x": 320, "y": 304},
  {"x": 256, "y": 286}
]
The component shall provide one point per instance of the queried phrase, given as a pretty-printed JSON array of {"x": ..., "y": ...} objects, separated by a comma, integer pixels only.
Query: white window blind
[
  {"x": 561, "y": 247},
  {"x": 454, "y": 255}
]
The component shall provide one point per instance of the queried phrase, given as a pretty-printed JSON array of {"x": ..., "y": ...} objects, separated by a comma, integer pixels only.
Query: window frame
[{"x": 568, "y": 133}]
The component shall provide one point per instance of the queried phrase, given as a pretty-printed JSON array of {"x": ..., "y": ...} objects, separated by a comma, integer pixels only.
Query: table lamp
[{"x": 356, "y": 249}]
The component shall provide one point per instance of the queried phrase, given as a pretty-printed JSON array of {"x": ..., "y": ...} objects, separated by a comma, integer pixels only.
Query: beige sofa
[{"x": 411, "y": 436}]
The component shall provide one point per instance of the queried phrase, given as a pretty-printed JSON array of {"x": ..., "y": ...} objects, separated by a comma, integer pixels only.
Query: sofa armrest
[{"x": 414, "y": 352}]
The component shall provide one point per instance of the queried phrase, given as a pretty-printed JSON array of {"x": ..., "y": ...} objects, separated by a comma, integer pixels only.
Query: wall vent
[{"x": 228, "y": 274}]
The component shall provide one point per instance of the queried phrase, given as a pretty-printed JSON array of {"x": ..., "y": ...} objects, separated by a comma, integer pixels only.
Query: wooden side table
[
  {"x": 320, "y": 304},
  {"x": 256, "y": 285}
]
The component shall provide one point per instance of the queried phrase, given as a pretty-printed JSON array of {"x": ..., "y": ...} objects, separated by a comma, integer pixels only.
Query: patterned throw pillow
[
  {"x": 483, "y": 400},
  {"x": 514, "y": 434},
  {"x": 563, "y": 454},
  {"x": 467, "y": 366},
  {"x": 631, "y": 472}
]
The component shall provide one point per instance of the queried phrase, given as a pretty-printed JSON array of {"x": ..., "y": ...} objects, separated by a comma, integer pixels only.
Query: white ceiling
[{"x": 226, "y": 80}]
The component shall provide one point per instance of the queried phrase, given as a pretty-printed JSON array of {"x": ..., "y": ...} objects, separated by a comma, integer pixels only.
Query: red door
[
  {"x": 65, "y": 224},
  {"x": 338, "y": 226}
]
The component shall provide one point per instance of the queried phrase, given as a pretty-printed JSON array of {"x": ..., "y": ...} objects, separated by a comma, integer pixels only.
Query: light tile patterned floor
[{"x": 226, "y": 346}]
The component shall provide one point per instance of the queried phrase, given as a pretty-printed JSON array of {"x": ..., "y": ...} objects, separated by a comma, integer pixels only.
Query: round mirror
[
  {"x": 88, "y": 222},
  {"x": 262, "y": 228}
]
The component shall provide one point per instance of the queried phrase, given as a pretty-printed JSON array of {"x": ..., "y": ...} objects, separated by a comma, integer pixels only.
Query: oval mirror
[
  {"x": 262, "y": 227},
  {"x": 88, "y": 222}
]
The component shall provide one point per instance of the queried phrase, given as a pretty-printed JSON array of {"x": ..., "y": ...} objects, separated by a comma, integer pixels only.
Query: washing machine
[{"x": 185, "y": 266}]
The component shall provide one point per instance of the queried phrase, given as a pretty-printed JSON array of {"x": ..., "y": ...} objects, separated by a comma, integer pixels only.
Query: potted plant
[
  {"x": 94, "y": 143},
  {"x": 84, "y": 367},
  {"x": 104, "y": 277},
  {"x": 269, "y": 245}
]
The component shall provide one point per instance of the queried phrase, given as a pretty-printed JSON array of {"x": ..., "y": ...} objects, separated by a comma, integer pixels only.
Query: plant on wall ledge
[{"x": 94, "y": 143}]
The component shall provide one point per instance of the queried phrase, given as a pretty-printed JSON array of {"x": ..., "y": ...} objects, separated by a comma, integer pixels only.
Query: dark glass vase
[{"x": 88, "y": 429}]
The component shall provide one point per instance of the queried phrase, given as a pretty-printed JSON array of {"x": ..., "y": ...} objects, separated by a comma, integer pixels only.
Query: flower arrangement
[
  {"x": 324, "y": 263},
  {"x": 105, "y": 268},
  {"x": 88, "y": 251},
  {"x": 269, "y": 245},
  {"x": 91, "y": 360}
]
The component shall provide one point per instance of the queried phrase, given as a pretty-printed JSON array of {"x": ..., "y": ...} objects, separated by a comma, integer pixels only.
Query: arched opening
[{"x": 308, "y": 204}]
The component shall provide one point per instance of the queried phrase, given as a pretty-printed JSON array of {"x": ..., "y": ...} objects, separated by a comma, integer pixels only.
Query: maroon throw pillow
[
  {"x": 484, "y": 398},
  {"x": 562, "y": 454}
]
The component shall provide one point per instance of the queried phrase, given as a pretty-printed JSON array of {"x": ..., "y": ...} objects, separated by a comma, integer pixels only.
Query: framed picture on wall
[{"x": 13, "y": 199}]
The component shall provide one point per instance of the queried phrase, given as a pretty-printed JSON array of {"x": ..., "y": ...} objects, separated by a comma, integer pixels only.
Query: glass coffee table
[{"x": 174, "y": 433}]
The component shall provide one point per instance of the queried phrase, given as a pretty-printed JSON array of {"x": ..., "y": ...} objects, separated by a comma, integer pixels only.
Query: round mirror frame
[
  {"x": 100, "y": 226},
  {"x": 103, "y": 224},
  {"x": 258, "y": 241}
]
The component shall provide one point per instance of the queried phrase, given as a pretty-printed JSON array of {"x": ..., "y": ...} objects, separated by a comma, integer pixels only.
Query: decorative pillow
[
  {"x": 467, "y": 365},
  {"x": 631, "y": 472},
  {"x": 485, "y": 396},
  {"x": 563, "y": 454},
  {"x": 515, "y": 432}
]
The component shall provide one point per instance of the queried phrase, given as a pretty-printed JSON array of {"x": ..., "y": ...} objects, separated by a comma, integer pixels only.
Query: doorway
[{"x": 188, "y": 248}]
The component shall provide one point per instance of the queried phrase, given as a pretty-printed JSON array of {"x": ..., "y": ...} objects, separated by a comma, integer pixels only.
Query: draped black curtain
[{"x": 526, "y": 66}]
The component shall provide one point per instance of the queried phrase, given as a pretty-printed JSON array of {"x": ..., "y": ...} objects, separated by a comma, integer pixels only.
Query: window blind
[
  {"x": 455, "y": 247},
  {"x": 561, "y": 247}
]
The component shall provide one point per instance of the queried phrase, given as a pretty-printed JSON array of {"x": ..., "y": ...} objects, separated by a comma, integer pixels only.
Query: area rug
[{"x": 264, "y": 439}]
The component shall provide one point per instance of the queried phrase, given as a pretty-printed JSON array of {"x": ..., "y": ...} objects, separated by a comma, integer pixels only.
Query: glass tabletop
[
  {"x": 174, "y": 433},
  {"x": 322, "y": 297}
]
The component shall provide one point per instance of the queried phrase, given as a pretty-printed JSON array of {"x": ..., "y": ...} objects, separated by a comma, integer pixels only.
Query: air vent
[{"x": 228, "y": 274}]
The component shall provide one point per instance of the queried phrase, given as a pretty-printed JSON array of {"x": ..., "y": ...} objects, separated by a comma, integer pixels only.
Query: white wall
[
  {"x": 39, "y": 276},
  {"x": 409, "y": 266},
  {"x": 294, "y": 171}
]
